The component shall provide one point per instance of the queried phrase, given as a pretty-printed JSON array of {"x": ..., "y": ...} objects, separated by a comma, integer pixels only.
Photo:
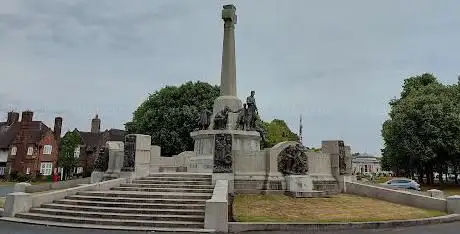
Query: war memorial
[{"x": 135, "y": 188}]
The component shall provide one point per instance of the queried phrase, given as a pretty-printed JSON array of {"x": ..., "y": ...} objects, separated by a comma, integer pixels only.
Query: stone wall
[{"x": 396, "y": 196}]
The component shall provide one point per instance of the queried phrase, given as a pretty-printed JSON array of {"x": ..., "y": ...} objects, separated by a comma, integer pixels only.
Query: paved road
[
  {"x": 18, "y": 228},
  {"x": 5, "y": 189}
]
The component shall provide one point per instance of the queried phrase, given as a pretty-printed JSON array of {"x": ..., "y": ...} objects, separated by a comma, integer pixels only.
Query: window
[
  {"x": 365, "y": 168},
  {"x": 30, "y": 150},
  {"x": 46, "y": 168},
  {"x": 27, "y": 171},
  {"x": 47, "y": 149},
  {"x": 76, "y": 153},
  {"x": 13, "y": 150}
]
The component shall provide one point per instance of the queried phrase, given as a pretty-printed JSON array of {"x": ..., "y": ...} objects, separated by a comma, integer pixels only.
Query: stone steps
[
  {"x": 109, "y": 222},
  {"x": 125, "y": 209},
  {"x": 138, "y": 194},
  {"x": 130, "y": 205},
  {"x": 174, "y": 182},
  {"x": 183, "y": 175},
  {"x": 175, "y": 190},
  {"x": 109, "y": 215},
  {"x": 159, "y": 202},
  {"x": 176, "y": 178},
  {"x": 161, "y": 185},
  {"x": 106, "y": 227},
  {"x": 137, "y": 200}
]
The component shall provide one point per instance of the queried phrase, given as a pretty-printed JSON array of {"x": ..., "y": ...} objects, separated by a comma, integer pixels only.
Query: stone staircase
[{"x": 159, "y": 202}]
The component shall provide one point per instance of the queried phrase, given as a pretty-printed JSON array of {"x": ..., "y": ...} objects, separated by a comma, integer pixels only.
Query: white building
[{"x": 366, "y": 164}]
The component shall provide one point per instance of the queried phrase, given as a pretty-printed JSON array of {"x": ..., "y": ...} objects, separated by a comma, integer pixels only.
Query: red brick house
[
  {"x": 30, "y": 147},
  {"x": 93, "y": 142}
]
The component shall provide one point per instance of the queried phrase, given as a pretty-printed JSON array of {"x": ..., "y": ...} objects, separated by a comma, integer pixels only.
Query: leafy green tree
[
  {"x": 68, "y": 143},
  {"x": 420, "y": 135},
  {"x": 278, "y": 131},
  {"x": 169, "y": 115}
]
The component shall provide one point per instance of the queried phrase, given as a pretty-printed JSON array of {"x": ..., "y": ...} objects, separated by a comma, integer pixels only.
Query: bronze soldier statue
[
  {"x": 252, "y": 111},
  {"x": 204, "y": 119}
]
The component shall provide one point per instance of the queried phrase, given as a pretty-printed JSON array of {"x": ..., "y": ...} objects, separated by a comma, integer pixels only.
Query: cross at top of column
[{"x": 229, "y": 13}]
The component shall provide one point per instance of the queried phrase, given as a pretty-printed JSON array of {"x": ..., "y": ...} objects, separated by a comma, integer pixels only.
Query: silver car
[{"x": 403, "y": 183}]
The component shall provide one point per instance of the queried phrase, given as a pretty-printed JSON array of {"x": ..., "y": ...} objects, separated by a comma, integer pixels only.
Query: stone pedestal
[
  {"x": 97, "y": 176},
  {"x": 116, "y": 156},
  {"x": 17, "y": 202},
  {"x": 136, "y": 162},
  {"x": 453, "y": 204},
  {"x": 21, "y": 187},
  {"x": 203, "y": 159}
]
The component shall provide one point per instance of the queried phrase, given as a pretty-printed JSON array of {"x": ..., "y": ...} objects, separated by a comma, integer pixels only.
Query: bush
[{"x": 22, "y": 178}]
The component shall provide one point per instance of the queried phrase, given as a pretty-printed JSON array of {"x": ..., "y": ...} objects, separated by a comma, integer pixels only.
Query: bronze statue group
[{"x": 248, "y": 118}]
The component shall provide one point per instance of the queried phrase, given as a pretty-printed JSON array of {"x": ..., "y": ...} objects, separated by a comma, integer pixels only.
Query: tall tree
[
  {"x": 420, "y": 134},
  {"x": 169, "y": 115},
  {"x": 69, "y": 142}
]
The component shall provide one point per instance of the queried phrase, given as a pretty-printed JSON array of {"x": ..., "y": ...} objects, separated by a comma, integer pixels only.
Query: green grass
[{"x": 339, "y": 208}]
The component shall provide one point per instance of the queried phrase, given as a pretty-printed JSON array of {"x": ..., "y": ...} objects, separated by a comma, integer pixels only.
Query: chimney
[
  {"x": 57, "y": 128},
  {"x": 96, "y": 125},
  {"x": 13, "y": 117},
  {"x": 27, "y": 116}
]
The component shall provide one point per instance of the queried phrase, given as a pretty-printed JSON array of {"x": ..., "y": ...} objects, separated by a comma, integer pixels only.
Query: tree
[
  {"x": 278, "y": 131},
  {"x": 169, "y": 115},
  {"x": 66, "y": 160},
  {"x": 420, "y": 135}
]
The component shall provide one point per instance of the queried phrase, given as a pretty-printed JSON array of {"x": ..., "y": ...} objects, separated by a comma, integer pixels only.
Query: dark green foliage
[
  {"x": 169, "y": 115},
  {"x": 421, "y": 135},
  {"x": 69, "y": 142}
]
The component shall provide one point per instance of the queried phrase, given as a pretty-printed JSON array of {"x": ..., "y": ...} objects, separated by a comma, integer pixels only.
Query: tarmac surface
[{"x": 19, "y": 228}]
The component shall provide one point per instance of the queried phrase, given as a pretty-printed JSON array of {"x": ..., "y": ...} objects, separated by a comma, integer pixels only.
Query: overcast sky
[{"x": 337, "y": 63}]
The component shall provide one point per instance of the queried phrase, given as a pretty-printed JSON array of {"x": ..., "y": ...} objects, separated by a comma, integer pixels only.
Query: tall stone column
[
  {"x": 228, "y": 92},
  {"x": 228, "y": 72}
]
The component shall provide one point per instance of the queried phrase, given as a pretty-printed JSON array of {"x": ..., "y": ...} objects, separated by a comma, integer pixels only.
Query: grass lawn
[{"x": 339, "y": 208}]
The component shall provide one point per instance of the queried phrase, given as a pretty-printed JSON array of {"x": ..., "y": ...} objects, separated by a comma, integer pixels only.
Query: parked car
[{"x": 403, "y": 183}]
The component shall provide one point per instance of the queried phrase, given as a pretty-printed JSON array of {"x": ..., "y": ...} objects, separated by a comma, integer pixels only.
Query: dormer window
[
  {"x": 30, "y": 150},
  {"x": 76, "y": 153},
  {"x": 47, "y": 149},
  {"x": 14, "y": 149}
]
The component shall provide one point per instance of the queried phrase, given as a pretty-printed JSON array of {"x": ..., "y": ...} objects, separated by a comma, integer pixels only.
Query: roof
[
  {"x": 95, "y": 140},
  {"x": 8, "y": 134},
  {"x": 37, "y": 130}
]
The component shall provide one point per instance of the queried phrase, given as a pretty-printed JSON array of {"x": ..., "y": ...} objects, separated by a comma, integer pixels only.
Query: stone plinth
[
  {"x": 203, "y": 159},
  {"x": 453, "y": 204},
  {"x": 116, "y": 156}
]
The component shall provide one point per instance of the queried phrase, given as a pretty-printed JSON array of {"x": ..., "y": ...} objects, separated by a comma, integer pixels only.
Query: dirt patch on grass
[{"x": 339, "y": 208}]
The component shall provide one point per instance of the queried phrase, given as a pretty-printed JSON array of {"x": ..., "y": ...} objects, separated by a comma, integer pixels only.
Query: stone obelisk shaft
[{"x": 228, "y": 73}]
